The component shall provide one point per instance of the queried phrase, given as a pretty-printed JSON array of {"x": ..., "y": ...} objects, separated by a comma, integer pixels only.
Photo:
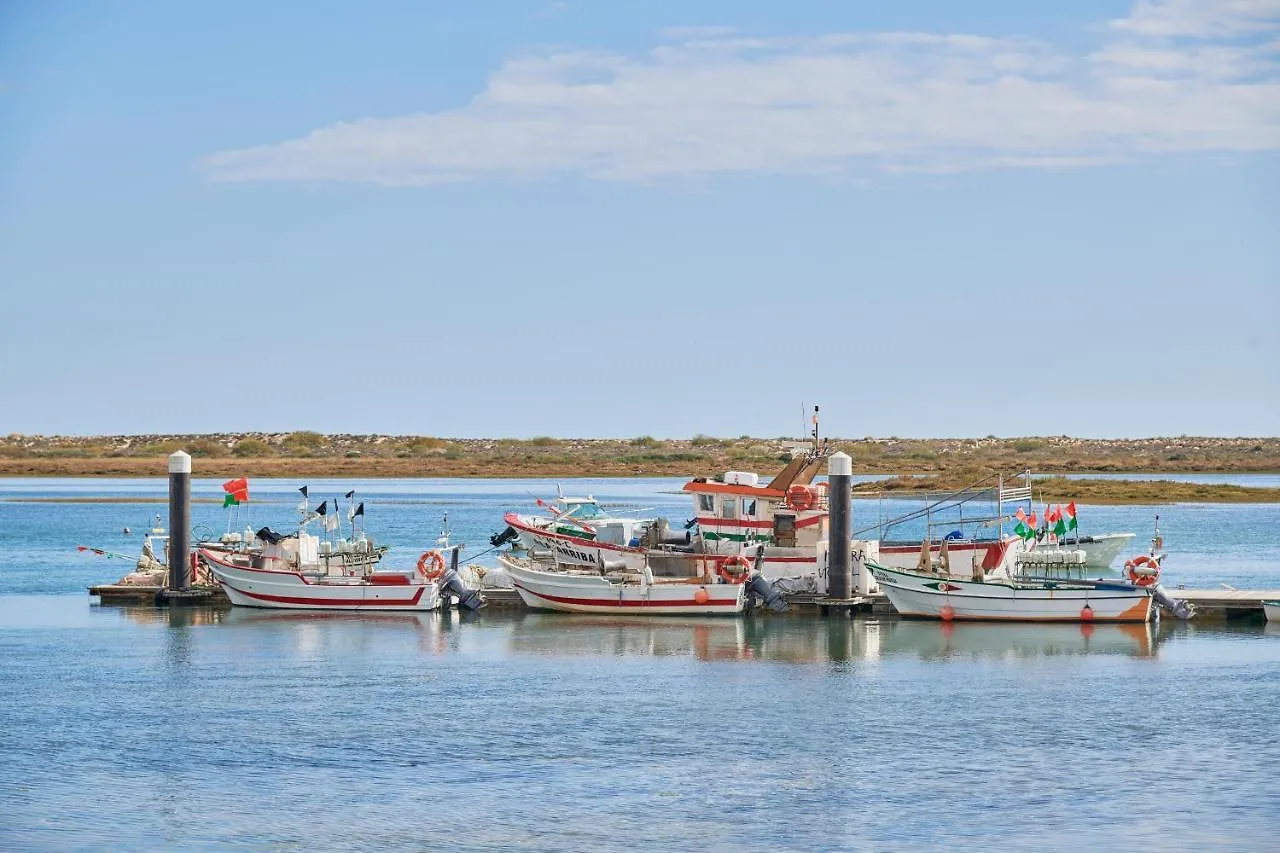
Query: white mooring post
[
  {"x": 840, "y": 565},
  {"x": 179, "y": 520}
]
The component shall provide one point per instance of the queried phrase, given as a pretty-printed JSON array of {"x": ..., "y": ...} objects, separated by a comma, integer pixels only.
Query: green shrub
[
  {"x": 1027, "y": 445},
  {"x": 248, "y": 447}
]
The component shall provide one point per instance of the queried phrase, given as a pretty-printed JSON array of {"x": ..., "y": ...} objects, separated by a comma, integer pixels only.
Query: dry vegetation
[{"x": 949, "y": 462}]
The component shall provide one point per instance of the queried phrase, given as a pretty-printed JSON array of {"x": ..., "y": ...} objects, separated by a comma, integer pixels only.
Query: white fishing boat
[
  {"x": 1272, "y": 609},
  {"x": 919, "y": 594},
  {"x": 781, "y": 526},
  {"x": 259, "y": 586},
  {"x": 271, "y": 582},
  {"x": 582, "y": 518},
  {"x": 1030, "y": 593},
  {"x": 635, "y": 593},
  {"x": 1101, "y": 550}
]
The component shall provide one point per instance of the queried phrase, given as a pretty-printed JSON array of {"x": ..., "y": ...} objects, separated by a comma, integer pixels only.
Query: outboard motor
[
  {"x": 451, "y": 584},
  {"x": 497, "y": 540},
  {"x": 1178, "y": 608},
  {"x": 762, "y": 590}
]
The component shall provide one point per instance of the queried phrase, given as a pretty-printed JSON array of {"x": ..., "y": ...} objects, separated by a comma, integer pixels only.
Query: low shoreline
[{"x": 913, "y": 466}]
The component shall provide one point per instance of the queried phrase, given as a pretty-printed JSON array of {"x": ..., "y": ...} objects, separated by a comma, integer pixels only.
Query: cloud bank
[{"x": 1174, "y": 77}]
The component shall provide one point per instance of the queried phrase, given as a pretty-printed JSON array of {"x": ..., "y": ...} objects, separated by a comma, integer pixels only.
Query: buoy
[
  {"x": 431, "y": 565},
  {"x": 726, "y": 569},
  {"x": 1142, "y": 570},
  {"x": 1086, "y": 614},
  {"x": 801, "y": 497},
  {"x": 947, "y": 613},
  {"x": 702, "y": 596},
  {"x": 126, "y": 531}
]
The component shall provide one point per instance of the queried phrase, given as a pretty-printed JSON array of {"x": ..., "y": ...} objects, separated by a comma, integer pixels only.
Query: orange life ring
[
  {"x": 728, "y": 576},
  {"x": 435, "y": 560},
  {"x": 801, "y": 497},
  {"x": 1146, "y": 577}
]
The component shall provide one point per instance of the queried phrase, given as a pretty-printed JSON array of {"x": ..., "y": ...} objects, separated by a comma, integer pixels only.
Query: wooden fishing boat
[
  {"x": 259, "y": 586},
  {"x": 927, "y": 595},
  {"x": 635, "y": 593}
]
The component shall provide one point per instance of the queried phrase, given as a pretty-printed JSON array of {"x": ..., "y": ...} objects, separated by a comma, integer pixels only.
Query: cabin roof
[{"x": 701, "y": 486}]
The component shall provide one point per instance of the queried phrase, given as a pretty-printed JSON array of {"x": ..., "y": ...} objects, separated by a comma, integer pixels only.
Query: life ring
[
  {"x": 431, "y": 565},
  {"x": 1142, "y": 570},
  {"x": 801, "y": 497},
  {"x": 726, "y": 573}
]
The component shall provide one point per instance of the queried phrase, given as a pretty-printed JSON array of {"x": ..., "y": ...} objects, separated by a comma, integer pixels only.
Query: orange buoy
[
  {"x": 431, "y": 565},
  {"x": 726, "y": 569},
  {"x": 947, "y": 613},
  {"x": 1086, "y": 614},
  {"x": 1142, "y": 570},
  {"x": 801, "y": 497},
  {"x": 701, "y": 596}
]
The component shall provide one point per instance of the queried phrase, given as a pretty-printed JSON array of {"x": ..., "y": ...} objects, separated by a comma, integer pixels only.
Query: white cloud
[
  {"x": 1202, "y": 19},
  {"x": 712, "y": 101}
]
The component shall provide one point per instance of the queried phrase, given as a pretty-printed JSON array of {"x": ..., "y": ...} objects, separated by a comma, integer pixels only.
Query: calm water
[{"x": 132, "y": 728}]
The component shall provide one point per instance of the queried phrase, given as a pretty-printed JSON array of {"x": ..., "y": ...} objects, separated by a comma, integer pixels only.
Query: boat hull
[
  {"x": 583, "y": 593},
  {"x": 963, "y": 555},
  {"x": 1100, "y": 551},
  {"x": 1272, "y": 609},
  {"x": 567, "y": 550},
  {"x": 268, "y": 588},
  {"x": 925, "y": 596}
]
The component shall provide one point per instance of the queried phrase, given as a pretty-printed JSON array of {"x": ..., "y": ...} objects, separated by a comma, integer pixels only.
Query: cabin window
[
  {"x": 729, "y": 509},
  {"x": 748, "y": 506},
  {"x": 706, "y": 503}
]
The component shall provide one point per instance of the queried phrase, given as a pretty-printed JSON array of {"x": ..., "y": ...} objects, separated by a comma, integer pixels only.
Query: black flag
[
  {"x": 359, "y": 510},
  {"x": 349, "y": 495},
  {"x": 304, "y": 491},
  {"x": 323, "y": 508}
]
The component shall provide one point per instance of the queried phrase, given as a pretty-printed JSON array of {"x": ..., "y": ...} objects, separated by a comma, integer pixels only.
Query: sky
[{"x": 606, "y": 219}]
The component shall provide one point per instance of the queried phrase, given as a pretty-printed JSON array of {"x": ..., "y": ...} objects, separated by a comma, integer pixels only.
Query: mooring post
[
  {"x": 179, "y": 519},
  {"x": 840, "y": 563}
]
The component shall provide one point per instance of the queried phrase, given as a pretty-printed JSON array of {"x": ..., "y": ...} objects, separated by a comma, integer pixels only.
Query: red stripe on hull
[
  {"x": 595, "y": 602},
  {"x": 332, "y": 602}
]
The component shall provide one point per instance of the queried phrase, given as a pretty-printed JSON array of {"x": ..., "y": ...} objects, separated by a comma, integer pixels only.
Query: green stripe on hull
[{"x": 736, "y": 537}]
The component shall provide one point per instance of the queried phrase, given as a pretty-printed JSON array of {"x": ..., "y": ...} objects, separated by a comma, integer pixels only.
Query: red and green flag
[
  {"x": 237, "y": 492},
  {"x": 1021, "y": 530},
  {"x": 1071, "y": 516},
  {"x": 1059, "y": 525}
]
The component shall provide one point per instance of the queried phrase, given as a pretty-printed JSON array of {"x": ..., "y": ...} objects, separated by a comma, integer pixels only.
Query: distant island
[{"x": 913, "y": 464}]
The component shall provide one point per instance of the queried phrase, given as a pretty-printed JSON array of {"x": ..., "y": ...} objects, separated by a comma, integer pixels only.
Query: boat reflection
[
  {"x": 803, "y": 641},
  {"x": 177, "y": 617},
  {"x": 930, "y": 640}
]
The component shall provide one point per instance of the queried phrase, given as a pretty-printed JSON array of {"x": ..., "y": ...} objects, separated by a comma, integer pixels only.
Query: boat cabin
[{"x": 736, "y": 513}]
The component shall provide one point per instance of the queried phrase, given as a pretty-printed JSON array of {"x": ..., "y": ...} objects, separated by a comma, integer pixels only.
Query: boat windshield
[{"x": 584, "y": 510}]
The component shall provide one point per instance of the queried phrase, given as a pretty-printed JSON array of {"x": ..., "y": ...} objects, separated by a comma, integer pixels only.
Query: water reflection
[
  {"x": 817, "y": 641},
  {"x": 800, "y": 641},
  {"x": 930, "y": 640}
]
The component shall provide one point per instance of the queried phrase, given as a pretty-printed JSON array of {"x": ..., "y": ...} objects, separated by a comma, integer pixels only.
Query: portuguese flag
[
  {"x": 1071, "y": 516},
  {"x": 1059, "y": 525},
  {"x": 237, "y": 492}
]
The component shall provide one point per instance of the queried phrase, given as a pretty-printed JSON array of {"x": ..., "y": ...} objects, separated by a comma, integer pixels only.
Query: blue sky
[{"x": 604, "y": 219}]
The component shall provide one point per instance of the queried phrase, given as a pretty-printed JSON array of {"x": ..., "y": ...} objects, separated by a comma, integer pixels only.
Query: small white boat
[
  {"x": 582, "y": 518},
  {"x": 1100, "y": 551},
  {"x": 286, "y": 588},
  {"x": 1272, "y": 609},
  {"x": 948, "y": 598},
  {"x": 624, "y": 591}
]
